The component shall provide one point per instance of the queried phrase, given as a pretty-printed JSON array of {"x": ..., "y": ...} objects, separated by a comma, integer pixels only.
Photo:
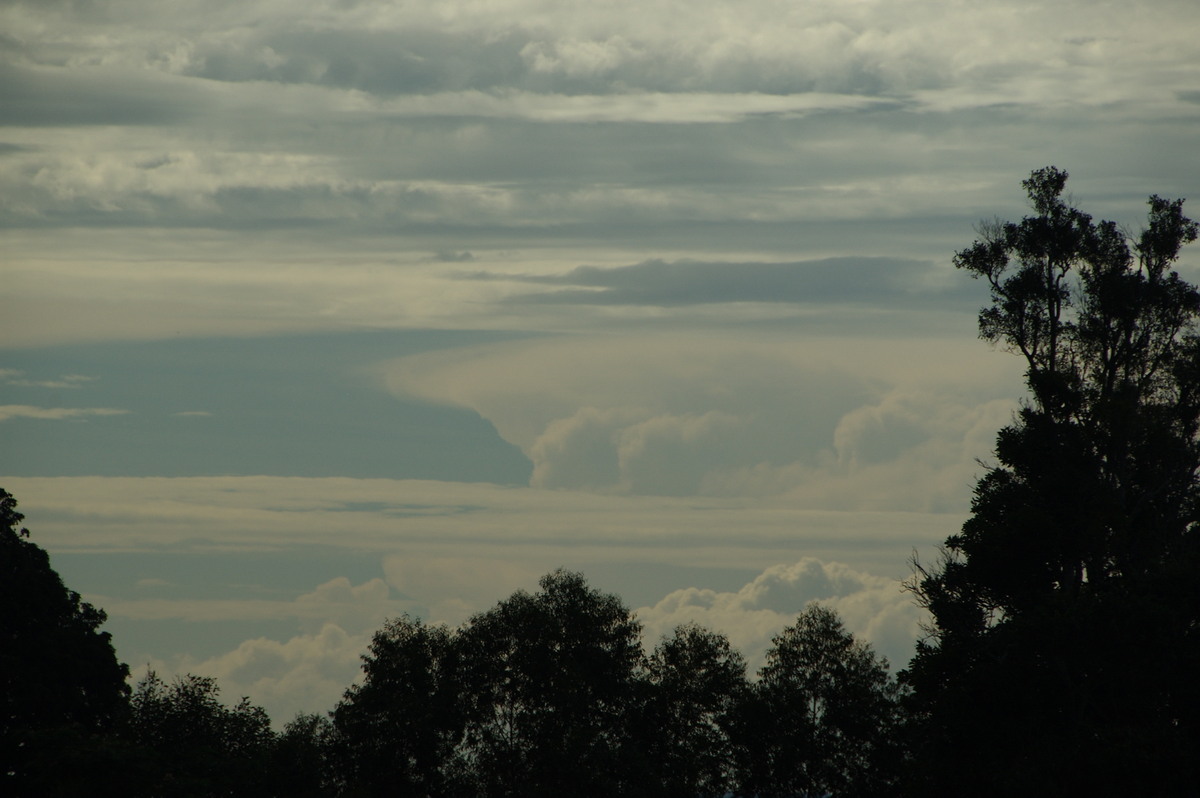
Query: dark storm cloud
[{"x": 689, "y": 282}]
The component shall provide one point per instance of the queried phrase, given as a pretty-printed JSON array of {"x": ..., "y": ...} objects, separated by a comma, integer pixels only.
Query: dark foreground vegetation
[{"x": 1062, "y": 656}]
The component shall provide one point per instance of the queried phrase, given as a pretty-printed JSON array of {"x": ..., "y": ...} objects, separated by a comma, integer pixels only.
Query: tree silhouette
[
  {"x": 303, "y": 760},
  {"x": 1065, "y": 617},
  {"x": 396, "y": 731},
  {"x": 189, "y": 743},
  {"x": 696, "y": 682},
  {"x": 550, "y": 686},
  {"x": 61, "y": 686},
  {"x": 823, "y": 716}
]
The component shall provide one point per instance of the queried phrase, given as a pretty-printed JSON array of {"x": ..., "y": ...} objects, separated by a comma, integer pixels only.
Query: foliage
[
  {"x": 397, "y": 729},
  {"x": 697, "y": 682},
  {"x": 192, "y": 744},
  {"x": 61, "y": 686},
  {"x": 549, "y": 682},
  {"x": 824, "y": 715},
  {"x": 302, "y": 760},
  {"x": 1064, "y": 637}
]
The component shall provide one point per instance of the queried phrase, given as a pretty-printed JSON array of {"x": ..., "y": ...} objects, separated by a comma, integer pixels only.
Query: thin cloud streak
[
  {"x": 678, "y": 283},
  {"x": 9, "y": 412}
]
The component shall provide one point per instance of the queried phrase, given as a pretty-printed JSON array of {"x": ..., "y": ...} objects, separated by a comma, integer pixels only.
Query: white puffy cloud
[
  {"x": 625, "y": 450},
  {"x": 670, "y": 455},
  {"x": 875, "y": 609},
  {"x": 838, "y": 423},
  {"x": 580, "y": 451},
  {"x": 306, "y": 673},
  {"x": 309, "y": 672}
]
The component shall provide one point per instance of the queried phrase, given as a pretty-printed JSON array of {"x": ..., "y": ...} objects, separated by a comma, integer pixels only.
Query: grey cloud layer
[
  {"x": 526, "y": 119},
  {"x": 574, "y": 47},
  {"x": 663, "y": 283}
]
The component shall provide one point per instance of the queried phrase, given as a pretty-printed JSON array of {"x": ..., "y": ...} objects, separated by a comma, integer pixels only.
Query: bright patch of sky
[{"x": 318, "y": 312}]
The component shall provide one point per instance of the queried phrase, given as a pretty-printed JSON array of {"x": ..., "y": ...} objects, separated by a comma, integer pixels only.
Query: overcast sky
[{"x": 316, "y": 312}]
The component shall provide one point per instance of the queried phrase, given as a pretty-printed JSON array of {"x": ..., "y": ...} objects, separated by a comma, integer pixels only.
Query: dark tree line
[
  {"x": 546, "y": 694},
  {"x": 1061, "y": 657},
  {"x": 551, "y": 694}
]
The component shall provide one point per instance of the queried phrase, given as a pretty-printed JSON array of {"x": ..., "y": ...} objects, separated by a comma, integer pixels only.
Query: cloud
[
  {"x": 875, "y": 609},
  {"x": 354, "y": 607},
  {"x": 70, "y": 381},
  {"x": 830, "y": 422},
  {"x": 581, "y": 451},
  {"x": 389, "y": 49},
  {"x": 306, "y": 673},
  {"x": 9, "y": 412},
  {"x": 309, "y": 671},
  {"x": 450, "y": 256},
  {"x": 630, "y": 451},
  {"x": 54, "y": 96},
  {"x": 451, "y": 589},
  {"x": 425, "y": 530},
  {"x": 662, "y": 283}
]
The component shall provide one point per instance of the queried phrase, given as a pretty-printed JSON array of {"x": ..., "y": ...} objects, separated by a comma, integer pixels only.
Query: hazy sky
[{"x": 318, "y": 312}]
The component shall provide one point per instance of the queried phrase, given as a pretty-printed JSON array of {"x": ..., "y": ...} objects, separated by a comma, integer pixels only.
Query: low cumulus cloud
[
  {"x": 877, "y": 610},
  {"x": 309, "y": 671},
  {"x": 305, "y": 673}
]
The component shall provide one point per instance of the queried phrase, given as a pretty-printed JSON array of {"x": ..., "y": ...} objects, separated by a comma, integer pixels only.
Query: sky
[{"x": 317, "y": 312}]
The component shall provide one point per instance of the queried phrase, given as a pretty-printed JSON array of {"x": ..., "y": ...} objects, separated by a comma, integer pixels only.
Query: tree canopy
[
  {"x": 696, "y": 684},
  {"x": 187, "y": 742},
  {"x": 551, "y": 693},
  {"x": 1065, "y": 615},
  {"x": 824, "y": 717},
  {"x": 60, "y": 682}
]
